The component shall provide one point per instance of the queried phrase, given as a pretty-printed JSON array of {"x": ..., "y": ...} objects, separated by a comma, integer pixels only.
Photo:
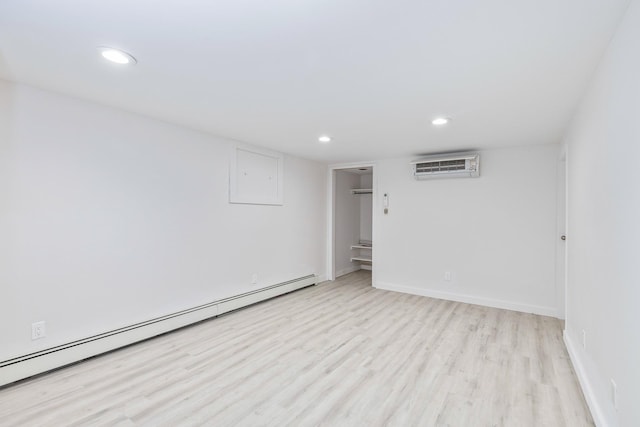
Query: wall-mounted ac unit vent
[{"x": 446, "y": 166}]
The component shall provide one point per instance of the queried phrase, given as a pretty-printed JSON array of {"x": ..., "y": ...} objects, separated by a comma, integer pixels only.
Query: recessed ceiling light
[
  {"x": 439, "y": 121},
  {"x": 324, "y": 139},
  {"x": 117, "y": 56}
]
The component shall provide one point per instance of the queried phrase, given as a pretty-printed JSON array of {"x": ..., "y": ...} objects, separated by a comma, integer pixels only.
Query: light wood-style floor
[{"x": 336, "y": 354}]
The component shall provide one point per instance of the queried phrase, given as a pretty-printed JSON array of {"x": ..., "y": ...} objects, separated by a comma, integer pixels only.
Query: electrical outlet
[
  {"x": 614, "y": 394},
  {"x": 447, "y": 276},
  {"x": 584, "y": 339},
  {"x": 254, "y": 279},
  {"x": 38, "y": 330}
]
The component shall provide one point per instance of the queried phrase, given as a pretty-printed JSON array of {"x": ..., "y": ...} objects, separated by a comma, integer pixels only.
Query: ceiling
[{"x": 279, "y": 73}]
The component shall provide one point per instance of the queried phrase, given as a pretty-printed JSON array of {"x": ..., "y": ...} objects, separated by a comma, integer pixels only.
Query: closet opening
[{"x": 351, "y": 220}]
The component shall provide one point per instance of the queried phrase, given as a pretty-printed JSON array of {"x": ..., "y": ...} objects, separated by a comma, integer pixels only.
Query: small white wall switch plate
[
  {"x": 254, "y": 278},
  {"x": 38, "y": 330},
  {"x": 614, "y": 394},
  {"x": 447, "y": 276}
]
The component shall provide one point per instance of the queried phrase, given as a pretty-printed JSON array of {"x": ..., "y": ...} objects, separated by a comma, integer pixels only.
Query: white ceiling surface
[{"x": 279, "y": 73}]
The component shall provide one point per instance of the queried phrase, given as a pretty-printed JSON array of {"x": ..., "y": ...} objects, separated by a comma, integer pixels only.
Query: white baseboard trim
[
  {"x": 22, "y": 367},
  {"x": 469, "y": 299},
  {"x": 596, "y": 409},
  {"x": 347, "y": 270}
]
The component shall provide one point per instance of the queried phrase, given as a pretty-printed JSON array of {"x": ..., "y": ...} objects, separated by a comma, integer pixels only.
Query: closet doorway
[{"x": 351, "y": 235}]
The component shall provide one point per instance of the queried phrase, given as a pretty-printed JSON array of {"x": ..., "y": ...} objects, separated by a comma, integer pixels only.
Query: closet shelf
[
  {"x": 361, "y": 247},
  {"x": 361, "y": 259},
  {"x": 358, "y": 191}
]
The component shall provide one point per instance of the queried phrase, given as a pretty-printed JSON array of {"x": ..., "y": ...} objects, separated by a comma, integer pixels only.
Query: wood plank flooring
[{"x": 338, "y": 354}]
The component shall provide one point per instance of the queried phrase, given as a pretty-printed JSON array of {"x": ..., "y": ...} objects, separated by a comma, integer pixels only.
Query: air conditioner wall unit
[{"x": 458, "y": 165}]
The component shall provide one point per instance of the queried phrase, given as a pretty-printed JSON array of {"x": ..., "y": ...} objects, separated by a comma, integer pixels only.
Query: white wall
[
  {"x": 604, "y": 231},
  {"x": 347, "y": 221},
  {"x": 108, "y": 218},
  {"x": 495, "y": 233}
]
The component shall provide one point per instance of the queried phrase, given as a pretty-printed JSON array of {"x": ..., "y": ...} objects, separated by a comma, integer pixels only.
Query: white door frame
[{"x": 331, "y": 198}]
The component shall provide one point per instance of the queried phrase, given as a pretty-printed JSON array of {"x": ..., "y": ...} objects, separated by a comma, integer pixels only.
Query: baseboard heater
[{"x": 22, "y": 367}]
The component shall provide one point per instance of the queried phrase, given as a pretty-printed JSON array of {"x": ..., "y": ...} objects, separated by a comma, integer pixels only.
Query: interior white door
[{"x": 561, "y": 252}]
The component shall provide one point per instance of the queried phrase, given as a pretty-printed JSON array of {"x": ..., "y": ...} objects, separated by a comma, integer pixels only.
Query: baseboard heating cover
[{"x": 22, "y": 367}]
